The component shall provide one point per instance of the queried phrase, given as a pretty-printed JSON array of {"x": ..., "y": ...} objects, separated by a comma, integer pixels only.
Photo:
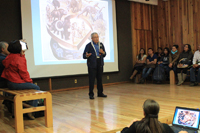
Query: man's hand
[
  {"x": 195, "y": 65},
  {"x": 101, "y": 51},
  {"x": 170, "y": 65},
  {"x": 88, "y": 54}
]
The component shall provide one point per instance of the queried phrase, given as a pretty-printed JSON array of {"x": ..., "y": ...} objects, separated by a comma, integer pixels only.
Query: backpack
[{"x": 159, "y": 74}]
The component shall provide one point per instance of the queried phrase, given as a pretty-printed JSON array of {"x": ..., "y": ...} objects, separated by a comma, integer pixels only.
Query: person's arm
[
  {"x": 194, "y": 58},
  {"x": 161, "y": 60},
  {"x": 23, "y": 72},
  {"x": 137, "y": 61},
  {"x": 180, "y": 57},
  {"x": 130, "y": 129},
  {"x": 102, "y": 50},
  {"x": 170, "y": 58},
  {"x": 154, "y": 61},
  {"x": 144, "y": 60},
  {"x": 86, "y": 53},
  {"x": 177, "y": 57},
  {"x": 148, "y": 62}
]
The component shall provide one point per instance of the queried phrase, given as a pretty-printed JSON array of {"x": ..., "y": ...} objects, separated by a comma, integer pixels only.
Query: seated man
[
  {"x": 3, "y": 53},
  {"x": 196, "y": 66},
  {"x": 151, "y": 63}
]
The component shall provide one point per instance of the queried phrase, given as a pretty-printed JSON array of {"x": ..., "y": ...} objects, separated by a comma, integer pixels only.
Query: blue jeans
[
  {"x": 24, "y": 86},
  {"x": 146, "y": 72},
  {"x": 193, "y": 75}
]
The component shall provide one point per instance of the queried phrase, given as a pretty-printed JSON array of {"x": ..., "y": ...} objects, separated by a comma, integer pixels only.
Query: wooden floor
[{"x": 73, "y": 112}]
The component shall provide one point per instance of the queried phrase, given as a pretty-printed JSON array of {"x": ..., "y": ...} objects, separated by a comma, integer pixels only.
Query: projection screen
[{"x": 57, "y": 32}]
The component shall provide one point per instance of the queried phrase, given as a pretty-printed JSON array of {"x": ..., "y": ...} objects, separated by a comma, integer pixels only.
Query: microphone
[{"x": 100, "y": 48}]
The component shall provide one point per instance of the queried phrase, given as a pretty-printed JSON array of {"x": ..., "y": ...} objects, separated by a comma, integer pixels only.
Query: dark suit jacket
[
  {"x": 91, "y": 61},
  {"x": 3, "y": 82}
]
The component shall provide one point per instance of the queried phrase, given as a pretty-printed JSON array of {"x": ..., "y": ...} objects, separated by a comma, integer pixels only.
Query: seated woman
[
  {"x": 150, "y": 123},
  {"x": 164, "y": 61},
  {"x": 185, "y": 59},
  {"x": 141, "y": 60},
  {"x": 173, "y": 58},
  {"x": 16, "y": 73}
]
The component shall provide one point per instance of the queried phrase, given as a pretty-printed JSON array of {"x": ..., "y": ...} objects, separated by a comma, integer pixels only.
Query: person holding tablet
[{"x": 16, "y": 72}]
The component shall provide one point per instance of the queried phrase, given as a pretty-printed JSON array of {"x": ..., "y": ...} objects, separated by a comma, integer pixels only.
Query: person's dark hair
[
  {"x": 15, "y": 47},
  {"x": 189, "y": 48},
  {"x": 168, "y": 51},
  {"x": 139, "y": 56},
  {"x": 159, "y": 48},
  {"x": 150, "y": 123},
  {"x": 176, "y": 46},
  {"x": 150, "y": 48}
]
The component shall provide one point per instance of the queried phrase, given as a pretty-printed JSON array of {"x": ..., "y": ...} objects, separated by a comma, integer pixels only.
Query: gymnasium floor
[{"x": 74, "y": 112}]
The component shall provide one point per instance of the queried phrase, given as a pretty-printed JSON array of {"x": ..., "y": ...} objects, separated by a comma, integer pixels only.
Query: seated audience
[
  {"x": 184, "y": 62},
  {"x": 173, "y": 58},
  {"x": 141, "y": 60},
  {"x": 164, "y": 61},
  {"x": 16, "y": 73},
  {"x": 151, "y": 63},
  {"x": 159, "y": 53},
  {"x": 196, "y": 66},
  {"x": 3, "y": 54},
  {"x": 150, "y": 123}
]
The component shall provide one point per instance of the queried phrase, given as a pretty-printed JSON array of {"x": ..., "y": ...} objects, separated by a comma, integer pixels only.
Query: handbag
[{"x": 184, "y": 65}]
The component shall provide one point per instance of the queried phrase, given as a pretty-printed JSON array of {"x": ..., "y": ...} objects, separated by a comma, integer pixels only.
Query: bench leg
[
  {"x": 48, "y": 112},
  {"x": 19, "y": 122},
  {"x": 172, "y": 78}
]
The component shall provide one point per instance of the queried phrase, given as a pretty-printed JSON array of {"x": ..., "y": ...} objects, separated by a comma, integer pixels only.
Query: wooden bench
[{"x": 27, "y": 95}]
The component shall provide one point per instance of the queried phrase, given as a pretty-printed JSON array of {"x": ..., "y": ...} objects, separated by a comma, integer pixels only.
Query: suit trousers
[{"x": 96, "y": 73}]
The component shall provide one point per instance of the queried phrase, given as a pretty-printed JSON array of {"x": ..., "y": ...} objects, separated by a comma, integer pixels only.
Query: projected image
[
  {"x": 66, "y": 26},
  {"x": 187, "y": 118}
]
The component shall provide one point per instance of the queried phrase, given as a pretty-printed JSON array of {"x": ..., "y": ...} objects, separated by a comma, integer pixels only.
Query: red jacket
[{"x": 16, "y": 69}]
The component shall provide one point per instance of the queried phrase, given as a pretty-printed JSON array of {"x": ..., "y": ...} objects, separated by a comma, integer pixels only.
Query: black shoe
[
  {"x": 193, "y": 84},
  {"x": 102, "y": 95},
  {"x": 141, "y": 81},
  {"x": 91, "y": 97}
]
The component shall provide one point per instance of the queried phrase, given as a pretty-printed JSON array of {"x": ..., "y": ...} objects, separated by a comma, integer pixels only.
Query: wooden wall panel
[{"x": 171, "y": 22}]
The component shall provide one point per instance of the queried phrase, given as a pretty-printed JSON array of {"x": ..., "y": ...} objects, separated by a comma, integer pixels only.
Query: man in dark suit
[{"x": 94, "y": 53}]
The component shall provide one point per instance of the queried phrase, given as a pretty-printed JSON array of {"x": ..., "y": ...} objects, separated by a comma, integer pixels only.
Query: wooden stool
[
  {"x": 172, "y": 78},
  {"x": 27, "y": 95}
]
